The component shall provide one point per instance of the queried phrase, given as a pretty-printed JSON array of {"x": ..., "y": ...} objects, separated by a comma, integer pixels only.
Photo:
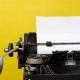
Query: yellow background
[{"x": 18, "y": 17}]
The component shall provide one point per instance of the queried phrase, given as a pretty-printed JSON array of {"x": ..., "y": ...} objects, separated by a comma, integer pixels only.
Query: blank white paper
[{"x": 57, "y": 29}]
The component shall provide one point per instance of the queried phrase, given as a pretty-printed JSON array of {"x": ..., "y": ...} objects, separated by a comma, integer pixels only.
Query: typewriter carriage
[{"x": 53, "y": 64}]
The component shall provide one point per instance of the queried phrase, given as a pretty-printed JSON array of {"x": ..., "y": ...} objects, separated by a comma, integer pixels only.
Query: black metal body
[
  {"x": 52, "y": 77},
  {"x": 62, "y": 72}
]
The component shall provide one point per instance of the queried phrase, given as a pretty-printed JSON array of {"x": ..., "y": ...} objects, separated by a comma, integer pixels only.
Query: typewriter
[{"x": 60, "y": 65}]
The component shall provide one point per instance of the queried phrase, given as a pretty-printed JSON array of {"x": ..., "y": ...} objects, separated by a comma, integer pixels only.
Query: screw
[{"x": 20, "y": 39}]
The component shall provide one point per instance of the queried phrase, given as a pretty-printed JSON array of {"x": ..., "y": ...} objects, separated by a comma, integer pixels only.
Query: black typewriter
[{"x": 60, "y": 65}]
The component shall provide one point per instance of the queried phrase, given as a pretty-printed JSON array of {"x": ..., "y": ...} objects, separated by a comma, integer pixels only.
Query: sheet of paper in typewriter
[{"x": 57, "y": 29}]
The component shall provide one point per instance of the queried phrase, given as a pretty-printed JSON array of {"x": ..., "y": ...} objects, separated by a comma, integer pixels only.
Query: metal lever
[{"x": 1, "y": 58}]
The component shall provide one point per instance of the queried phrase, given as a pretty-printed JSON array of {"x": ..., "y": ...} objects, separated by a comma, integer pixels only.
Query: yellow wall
[{"x": 19, "y": 16}]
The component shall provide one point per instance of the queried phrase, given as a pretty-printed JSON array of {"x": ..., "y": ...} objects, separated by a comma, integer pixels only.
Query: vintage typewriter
[{"x": 60, "y": 65}]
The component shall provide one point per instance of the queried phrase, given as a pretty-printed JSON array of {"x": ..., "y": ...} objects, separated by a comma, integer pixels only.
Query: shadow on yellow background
[{"x": 18, "y": 17}]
